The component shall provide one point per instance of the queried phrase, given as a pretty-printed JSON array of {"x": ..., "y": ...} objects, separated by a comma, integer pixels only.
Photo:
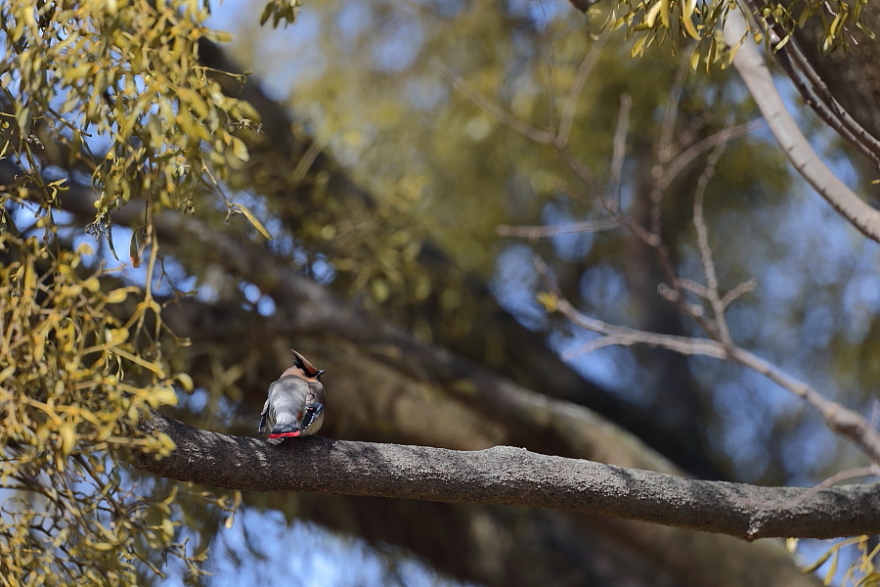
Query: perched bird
[{"x": 295, "y": 406}]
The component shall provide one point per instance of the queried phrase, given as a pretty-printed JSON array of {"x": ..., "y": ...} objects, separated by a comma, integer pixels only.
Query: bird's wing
[
  {"x": 264, "y": 418},
  {"x": 287, "y": 398}
]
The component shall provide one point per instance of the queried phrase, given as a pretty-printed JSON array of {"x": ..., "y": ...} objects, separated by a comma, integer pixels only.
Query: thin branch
[
  {"x": 305, "y": 163},
  {"x": 813, "y": 89},
  {"x": 592, "y": 346},
  {"x": 629, "y": 336},
  {"x": 685, "y": 157},
  {"x": 543, "y": 137},
  {"x": 834, "y": 114},
  {"x": 587, "y": 176},
  {"x": 664, "y": 148},
  {"x": 672, "y": 293},
  {"x": 741, "y": 289},
  {"x": 705, "y": 250},
  {"x": 577, "y": 86},
  {"x": 557, "y": 229},
  {"x": 838, "y": 418},
  {"x": 505, "y": 475},
  {"x": 754, "y": 72},
  {"x": 817, "y": 96},
  {"x": 869, "y": 471},
  {"x": 692, "y": 287},
  {"x": 619, "y": 149}
]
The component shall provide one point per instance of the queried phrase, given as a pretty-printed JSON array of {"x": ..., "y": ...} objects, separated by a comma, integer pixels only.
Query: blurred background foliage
[{"x": 354, "y": 147}]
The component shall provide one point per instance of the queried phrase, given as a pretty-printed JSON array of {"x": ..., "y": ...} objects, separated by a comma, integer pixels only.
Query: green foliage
[
  {"x": 839, "y": 18},
  {"x": 860, "y": 552},
  {"x": 279, "y": 10},
  {"x": 73, "y": 387},
  {"x": 651, "y": 22},
  {"x": 112, "y": 91},
  {"x": 125, "y": 71}
]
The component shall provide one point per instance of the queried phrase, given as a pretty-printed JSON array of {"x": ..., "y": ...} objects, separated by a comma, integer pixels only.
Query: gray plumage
[{"x": 295, "y": 406}]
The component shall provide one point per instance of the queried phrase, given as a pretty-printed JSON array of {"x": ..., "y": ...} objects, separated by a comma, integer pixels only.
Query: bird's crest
[{"x": 303, "y": 364}]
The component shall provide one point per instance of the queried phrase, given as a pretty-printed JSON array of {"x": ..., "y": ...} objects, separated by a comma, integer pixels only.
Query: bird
[{"x": 295, "y": 406}]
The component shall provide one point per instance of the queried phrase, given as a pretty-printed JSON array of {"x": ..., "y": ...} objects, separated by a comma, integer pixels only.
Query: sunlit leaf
[{"x": 253, "y": 220}]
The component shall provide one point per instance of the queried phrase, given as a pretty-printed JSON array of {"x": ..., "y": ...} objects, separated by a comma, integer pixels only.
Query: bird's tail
[
  {"x": 284, "y": 432},
  {"x": 285, "y": 427}
]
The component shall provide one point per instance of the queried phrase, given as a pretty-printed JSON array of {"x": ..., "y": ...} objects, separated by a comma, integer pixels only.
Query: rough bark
[{"x": 504, "y": 475}]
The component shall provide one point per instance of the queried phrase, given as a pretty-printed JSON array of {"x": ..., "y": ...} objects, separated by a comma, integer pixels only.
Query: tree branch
[
  {"x": 505, "y": 475},
  {"x": 812, "y": 87},
  {"x": 838, "y": 418},
  {"x": 757, "y": 78}
]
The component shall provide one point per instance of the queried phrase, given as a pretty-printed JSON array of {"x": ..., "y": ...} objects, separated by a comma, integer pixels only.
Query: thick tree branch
[
  {"x": 757, "y": 78},
  {"x": 512, "y": 476}
]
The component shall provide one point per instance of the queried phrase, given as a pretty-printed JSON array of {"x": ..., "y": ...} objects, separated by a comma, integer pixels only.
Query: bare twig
[
  {"x": 869, "y": 471},
  {"x": 673, "y": 294},
  {"x": 587, "y": 176},
  {"x": 829, "y": 109},
  {"x": 577, "y": 86},
  {"x": 592, "y": 346},
  {"x": 305, "y": 162},
  {"x": 557, "y": 229},
  {"x": 685, "y": 157},
  {"x": 706, "y": 250},
  {"x": 664, "y": 148},
  {"x": 838, "y": 418},
  {"x": 544, "y": 137},
  {"x": 619, "y": 151},
  {"x": 629, "y": 336},
  {"x": 743, "y": 288},
  {"x": 691, "y": 286}
]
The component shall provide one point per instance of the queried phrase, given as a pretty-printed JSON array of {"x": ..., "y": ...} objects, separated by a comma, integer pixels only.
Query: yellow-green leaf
[
  {"x": 651, "y": 15},
  {"x": 162, "y": 396},
  {"x": 664, "y": 13},
  {"x": 5, "y": 373},
  {"x": 832, "y": 568},
  {"x": 117, "y": 295},
  {"x": 115, "y": 336},
  {"x": 686, "y": 19},
  {"x": 380, "y": 289},
  {"x": 253, "y": 220},
  {"x": 185, "y": 381},
  {"x": 68, "y": 437},
  {"x": 239, "y": 149},
  {"x": 548, "y": 300}
]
